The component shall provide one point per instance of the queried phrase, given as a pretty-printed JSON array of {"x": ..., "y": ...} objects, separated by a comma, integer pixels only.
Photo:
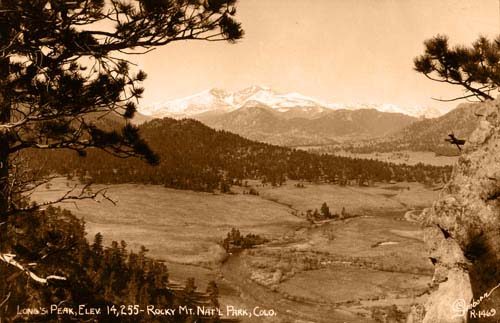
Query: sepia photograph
[{"x": 275, "y": 161}]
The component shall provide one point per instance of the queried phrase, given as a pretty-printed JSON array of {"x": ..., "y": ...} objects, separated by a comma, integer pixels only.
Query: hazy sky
[{"x": 335, "y": 50}]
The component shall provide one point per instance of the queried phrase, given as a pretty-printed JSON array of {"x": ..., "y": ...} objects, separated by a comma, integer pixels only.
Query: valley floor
[
  {"x": 397, "y": 157},
  {"x": 405, "y": 157},
  {"x": 331, "y": 271}
]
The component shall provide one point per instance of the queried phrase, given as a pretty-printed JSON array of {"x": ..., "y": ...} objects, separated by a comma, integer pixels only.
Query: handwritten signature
[{"x": 460, "y": 306}]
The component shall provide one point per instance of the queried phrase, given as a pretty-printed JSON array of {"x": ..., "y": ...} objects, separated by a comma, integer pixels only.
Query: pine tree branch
[
  {"x": 456, "y": 99},
  {"x": 9, "y": 259},
  {"x": 84, "y": 194}
]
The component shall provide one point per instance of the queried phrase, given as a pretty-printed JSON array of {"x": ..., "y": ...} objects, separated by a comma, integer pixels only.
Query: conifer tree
[
  {"x": 476, "y": 68},
  {"x": 59, "y": 71},
  {"x": 325, "y": 211},
  {"x": 63, "y": 67},
  {"x": 213, "y": 293}
]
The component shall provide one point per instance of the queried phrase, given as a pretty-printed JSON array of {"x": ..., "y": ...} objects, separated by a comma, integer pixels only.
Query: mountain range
[
  {"x": 260, "y": 122},
  {"x": 290, "y": 119},
  {"x": 217, "y": 101},
  {"x": 361, "y": 131}
]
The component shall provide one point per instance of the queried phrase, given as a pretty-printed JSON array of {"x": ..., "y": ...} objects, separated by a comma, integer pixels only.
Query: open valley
[{"x": 351, "y": 269}]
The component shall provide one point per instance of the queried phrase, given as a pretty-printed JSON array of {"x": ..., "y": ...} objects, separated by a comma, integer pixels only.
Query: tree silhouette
[
  {"x": 475, "y": 68},
  {"x": 63, "y": 67},
  {"x": 325, "y": 211}
]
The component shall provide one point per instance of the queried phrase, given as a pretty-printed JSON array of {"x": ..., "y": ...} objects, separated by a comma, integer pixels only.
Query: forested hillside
[
  {"x": 194, "y": 156},
  {"x": 95, "y": 276}
]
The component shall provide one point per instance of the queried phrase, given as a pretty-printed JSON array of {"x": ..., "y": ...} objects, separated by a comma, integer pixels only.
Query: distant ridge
[
  {"x": 260, "y": 122},
  {"x": 426, "y": 134}
]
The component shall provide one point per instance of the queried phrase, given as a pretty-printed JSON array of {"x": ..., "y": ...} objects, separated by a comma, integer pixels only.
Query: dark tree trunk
[
  {"x": 4, "y": 191},
  {"x": 4, "y": 181},
  {"x": 5, "y": 114},
  {"x": 4, "y": 143},
  {"x": 5, "y": 111},
  {"x": 4, "y": 184}
]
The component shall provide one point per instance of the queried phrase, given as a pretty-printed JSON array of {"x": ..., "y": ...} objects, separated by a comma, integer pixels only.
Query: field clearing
[
  {"x": 178, "y": 226},
  {"x": 380, "y": 199}
]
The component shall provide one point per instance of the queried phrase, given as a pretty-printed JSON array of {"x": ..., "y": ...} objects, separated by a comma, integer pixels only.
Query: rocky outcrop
[{"x": 463, "y": 230}]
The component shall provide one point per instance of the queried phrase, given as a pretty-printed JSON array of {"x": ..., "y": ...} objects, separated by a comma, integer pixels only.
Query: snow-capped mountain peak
[
  {"x": 205, "y": 101},
  {"x": 222, "y": 101},
  {"x": 219, "y": 100}
]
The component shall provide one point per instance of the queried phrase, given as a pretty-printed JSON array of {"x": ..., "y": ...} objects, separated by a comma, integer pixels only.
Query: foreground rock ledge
[{"x": 462, "y": 230}]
